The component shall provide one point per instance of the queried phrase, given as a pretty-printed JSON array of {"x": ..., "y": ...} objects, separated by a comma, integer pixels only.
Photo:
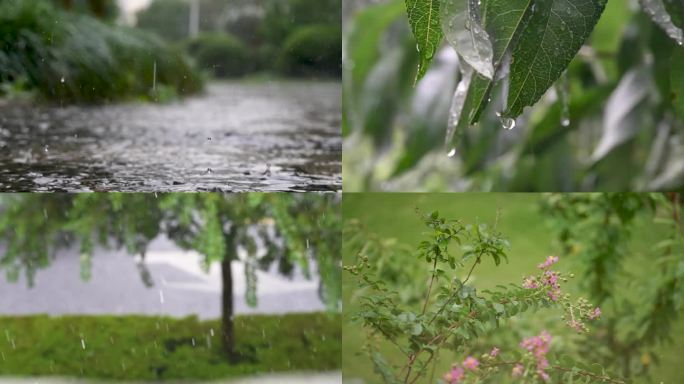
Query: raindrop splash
[{"x": 45, "y": 149}]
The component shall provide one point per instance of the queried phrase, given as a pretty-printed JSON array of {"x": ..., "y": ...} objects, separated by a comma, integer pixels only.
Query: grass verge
[{"x": 162, "y": 348}]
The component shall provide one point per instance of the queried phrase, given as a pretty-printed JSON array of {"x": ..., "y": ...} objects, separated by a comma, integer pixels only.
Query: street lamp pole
[{"x": 194, "y": 18}]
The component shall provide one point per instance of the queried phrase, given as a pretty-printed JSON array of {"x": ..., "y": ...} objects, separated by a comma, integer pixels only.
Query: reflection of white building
[
  {"x": 130, "y": 7},
  {"x": 181, "y": 287}
]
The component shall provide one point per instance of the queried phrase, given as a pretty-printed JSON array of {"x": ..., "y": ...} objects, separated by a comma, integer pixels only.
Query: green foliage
[
  {"x": 595, "y": 230},
  {"x": 454, "y": 313},
  {"x": 599, "y": 83},
  {"x": 312, "y": 50},
  {"x": 295, "y": 228},
  {"x": 423, "y": 15},
  {"x": 166, "y": 18},
  {"x": 221, "y": 54},
  {"x": 545, "y": 49},
  {"x": 161, "y": 348},
  {"x": 75, "y": 58}
]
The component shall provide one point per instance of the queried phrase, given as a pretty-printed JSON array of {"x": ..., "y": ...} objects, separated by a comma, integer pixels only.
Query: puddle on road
[{"x": 237, "y": 137}]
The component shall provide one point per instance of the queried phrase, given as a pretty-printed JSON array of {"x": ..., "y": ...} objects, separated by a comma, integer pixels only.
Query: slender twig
[{"x": 432, "y": 280}]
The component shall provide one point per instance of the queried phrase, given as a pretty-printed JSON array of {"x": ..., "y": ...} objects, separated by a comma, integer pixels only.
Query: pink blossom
[
  {"x": 539, "y": 347},
  {"x": 551, "y": 279},
  {"x": 455, "y": 375},
  {"x": 494, "y": 352},
  {"x": 518, "y": 370},
  {"x": 554, "y": 294},
  {"x": 595, "y": 314},
  {"x": 470, "y": 363},
  {"x": 543, "y": 375},
  {"x": 530, "y": 283},
  {"x": 548, "y": 262}
]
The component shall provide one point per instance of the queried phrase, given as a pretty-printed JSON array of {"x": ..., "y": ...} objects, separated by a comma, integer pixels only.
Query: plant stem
[{"x": 432, "y": 280}]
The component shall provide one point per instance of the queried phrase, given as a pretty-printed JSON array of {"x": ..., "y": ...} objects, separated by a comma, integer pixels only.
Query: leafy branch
[{"x": 451, "y": 309}]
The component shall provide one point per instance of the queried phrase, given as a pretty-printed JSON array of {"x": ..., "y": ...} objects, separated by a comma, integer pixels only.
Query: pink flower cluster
[
  {"x": 539, "y": 347},
  {"x": 595, "y": 314},
  {"x": 458, "y": 372},
  {"x": 551, "y": 260},
  {"x": 547, "y": 279}
]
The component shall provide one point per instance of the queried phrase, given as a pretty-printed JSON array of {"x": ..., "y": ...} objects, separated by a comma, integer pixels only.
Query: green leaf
[
  {"x": 551, "y": 38},
  {"x": 417, "y": 329},
  {"x": 423, "y": 16},
  {"x": 677, "y": 81},
  {"x": 503, "y": 20}
]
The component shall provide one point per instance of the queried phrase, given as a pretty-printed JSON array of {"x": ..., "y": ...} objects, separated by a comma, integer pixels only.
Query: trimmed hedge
[
  {"x": 162, "y": 348},
  {"x": 221, "y": 54},
  {"x": 313, "y": 50}
]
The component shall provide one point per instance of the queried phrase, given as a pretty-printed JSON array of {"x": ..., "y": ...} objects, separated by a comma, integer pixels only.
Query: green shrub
[
  {"x": 75, "y": 58},
  {"x": 312, "y": 50},
  {"x": 221, "y": 54}
]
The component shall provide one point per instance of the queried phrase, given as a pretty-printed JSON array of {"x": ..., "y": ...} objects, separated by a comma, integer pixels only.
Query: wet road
[{"x": 275, "y": 136}]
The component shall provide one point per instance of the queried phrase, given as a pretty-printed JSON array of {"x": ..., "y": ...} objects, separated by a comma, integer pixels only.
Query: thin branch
[{"x": 432, "y": 280}]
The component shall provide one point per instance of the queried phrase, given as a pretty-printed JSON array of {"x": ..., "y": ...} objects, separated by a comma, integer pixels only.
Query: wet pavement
[{"x": 238, "y": 136}]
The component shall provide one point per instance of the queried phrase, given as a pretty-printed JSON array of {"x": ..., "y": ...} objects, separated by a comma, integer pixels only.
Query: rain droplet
[
  {"x": 208, "y": 171},
  {"x": 211, "y": 331},
  {"x": 161, "y": 296},
  {"x": 452, "y": 152},
  {"x": 82, "y": 343},
  {"x": 45, "y": 149},
  {"x": 193, "y": 341},
  {"x": 507, "y": 123},
  {"x": 565, "y": 122},
  {"x": 62, "y": 80}
]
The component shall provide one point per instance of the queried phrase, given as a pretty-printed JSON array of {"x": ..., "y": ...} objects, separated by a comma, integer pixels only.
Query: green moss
[{"x": 162, "y": 348}]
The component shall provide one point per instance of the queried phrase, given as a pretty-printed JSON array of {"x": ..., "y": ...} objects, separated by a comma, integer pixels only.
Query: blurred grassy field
[
  {"x": 144, "y": 348},
  {"x": 393, "y": 215}
]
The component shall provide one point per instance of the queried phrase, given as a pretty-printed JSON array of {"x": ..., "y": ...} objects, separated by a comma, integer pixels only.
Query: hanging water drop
[
  {"x": 451, "y": 152},
  {"x": 506, "y": 122},
  {"x": 563, "y": 91}
]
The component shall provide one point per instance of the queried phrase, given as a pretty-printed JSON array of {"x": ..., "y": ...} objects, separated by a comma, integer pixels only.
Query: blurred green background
[{"x": 393, "y": 215}]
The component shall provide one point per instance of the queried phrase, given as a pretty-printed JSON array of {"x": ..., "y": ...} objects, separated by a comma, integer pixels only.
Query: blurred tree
[
  {"x": 167, "y": 18},
  {"x": 640, "y": 306},
  {"x": 285, "y": 229}
]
